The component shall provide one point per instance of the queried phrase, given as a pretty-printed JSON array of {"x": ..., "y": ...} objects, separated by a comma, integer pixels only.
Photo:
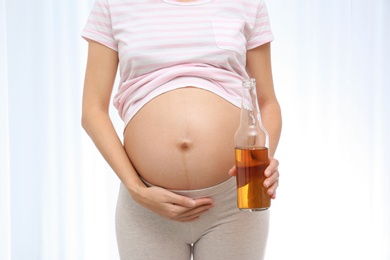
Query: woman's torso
[{"x": 183, "y": 139}]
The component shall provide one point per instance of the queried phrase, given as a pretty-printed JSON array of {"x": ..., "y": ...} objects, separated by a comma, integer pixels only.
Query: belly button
[{"x": 185, "y": 145}]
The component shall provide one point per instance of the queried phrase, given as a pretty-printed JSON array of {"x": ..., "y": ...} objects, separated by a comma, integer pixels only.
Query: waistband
[{"x": 205, "y": 192}]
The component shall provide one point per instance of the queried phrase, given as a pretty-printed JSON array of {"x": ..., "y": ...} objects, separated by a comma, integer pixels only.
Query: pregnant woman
[{"x": 181, "y": 64}]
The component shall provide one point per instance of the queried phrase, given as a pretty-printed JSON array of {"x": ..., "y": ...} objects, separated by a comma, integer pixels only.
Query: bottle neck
[{"x": 251, "y": 132}]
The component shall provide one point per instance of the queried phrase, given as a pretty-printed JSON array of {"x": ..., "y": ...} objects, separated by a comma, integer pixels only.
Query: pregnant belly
[{"x": 183, "y": 139}]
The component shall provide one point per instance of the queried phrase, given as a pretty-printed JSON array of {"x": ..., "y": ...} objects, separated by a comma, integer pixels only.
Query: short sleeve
[
  {"x": 99, "y": 25},
  {"x": 260, "y": 33}
]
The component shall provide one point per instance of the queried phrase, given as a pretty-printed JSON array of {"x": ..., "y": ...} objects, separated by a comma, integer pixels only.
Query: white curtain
[
  {"x": 332, "y": 74},
  {"x": 58, "y": 195},
  {"x": 331, "y": 62}
]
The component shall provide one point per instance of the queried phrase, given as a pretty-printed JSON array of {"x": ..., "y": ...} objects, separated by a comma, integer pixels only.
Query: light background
[{"x": 331, "y": 62}]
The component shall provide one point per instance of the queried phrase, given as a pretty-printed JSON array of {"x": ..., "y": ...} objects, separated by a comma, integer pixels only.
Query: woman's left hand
[{"x": 272, "y": 174}]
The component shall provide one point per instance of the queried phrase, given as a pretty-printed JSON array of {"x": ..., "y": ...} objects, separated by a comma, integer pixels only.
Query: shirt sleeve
[
  {"x": 260, "y": 32},
  {"x": 99, "y": 25}
]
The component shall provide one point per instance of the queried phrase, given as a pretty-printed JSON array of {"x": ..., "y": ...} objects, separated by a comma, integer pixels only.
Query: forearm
[
  {"x": 99, "y": 127},
  {"x": 259, "y": 67},
  {"x": 272, "y": 121}
]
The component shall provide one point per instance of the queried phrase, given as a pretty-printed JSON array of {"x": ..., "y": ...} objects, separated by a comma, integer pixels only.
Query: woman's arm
[
  {"x": 100, "y": 75},
  {"x": 259, "y": 67}
]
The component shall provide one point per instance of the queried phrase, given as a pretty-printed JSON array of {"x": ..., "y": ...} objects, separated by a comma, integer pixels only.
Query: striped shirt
[{"x": 166, "y": 44}]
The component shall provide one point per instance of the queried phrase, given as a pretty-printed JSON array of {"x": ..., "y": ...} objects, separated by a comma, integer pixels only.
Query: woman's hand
[
  {"x": 272, "y": 174},
  {"x": 171, "y": 205}
]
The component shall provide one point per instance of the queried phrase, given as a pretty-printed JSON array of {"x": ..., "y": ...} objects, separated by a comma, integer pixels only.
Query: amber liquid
[{"x": 251, "y": 193}]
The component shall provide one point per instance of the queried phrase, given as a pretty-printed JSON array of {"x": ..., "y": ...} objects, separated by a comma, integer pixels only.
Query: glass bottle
[{"x": 252, "y": 158}]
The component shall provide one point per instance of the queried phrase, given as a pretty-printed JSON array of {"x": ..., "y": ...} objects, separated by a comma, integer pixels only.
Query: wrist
[{"x": 134, "y": 186}]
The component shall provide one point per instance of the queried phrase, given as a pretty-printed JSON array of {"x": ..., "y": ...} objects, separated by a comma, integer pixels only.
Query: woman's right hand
[{"x": 171, "y": 205}]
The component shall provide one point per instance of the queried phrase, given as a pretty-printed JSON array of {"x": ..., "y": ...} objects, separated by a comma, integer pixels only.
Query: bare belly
[{"x": 183, "y": 139}]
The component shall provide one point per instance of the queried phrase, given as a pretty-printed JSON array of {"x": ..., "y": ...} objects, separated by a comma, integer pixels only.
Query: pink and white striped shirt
[{"x": 165, "y": 44}]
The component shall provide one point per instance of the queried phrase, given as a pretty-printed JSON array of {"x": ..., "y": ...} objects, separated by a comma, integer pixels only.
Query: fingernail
[{"x": 192, "y": 203}]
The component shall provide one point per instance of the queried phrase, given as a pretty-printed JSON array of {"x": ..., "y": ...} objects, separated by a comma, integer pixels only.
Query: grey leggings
[{"x": 224, "y": 232}]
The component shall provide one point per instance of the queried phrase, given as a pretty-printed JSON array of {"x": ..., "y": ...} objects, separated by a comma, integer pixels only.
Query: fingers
[
  {"x": 272, "y": 190},
  {"x": 187, "y": 202},
  {"x": 272, "y": 167},
  {"x": 180, "y": 200},
  {"x": 272, "y": 180},
  {"x": 233, "y": 171},
  {"x": 272, "y": 176},
  {"x": 190, "y": 215},
  {"x": 182, "y": 214},
  {"x": 176, "y": 207}
]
